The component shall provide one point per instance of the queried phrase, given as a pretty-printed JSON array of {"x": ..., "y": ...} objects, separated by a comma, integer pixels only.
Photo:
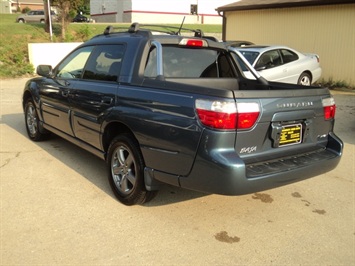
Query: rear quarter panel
[{"x": 164, "y": 123}]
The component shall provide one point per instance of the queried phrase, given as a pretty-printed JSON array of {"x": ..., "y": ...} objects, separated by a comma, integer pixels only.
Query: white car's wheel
[{"x": 305, "y": 79}]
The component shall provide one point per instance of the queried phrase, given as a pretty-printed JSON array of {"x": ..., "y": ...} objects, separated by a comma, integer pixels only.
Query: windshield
[{"x": 249, "y": 55}]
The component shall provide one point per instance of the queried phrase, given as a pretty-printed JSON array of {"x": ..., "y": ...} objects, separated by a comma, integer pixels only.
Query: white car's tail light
[
  {"x": 227, "y": 115},
  {"x": 329, "y": 108}
]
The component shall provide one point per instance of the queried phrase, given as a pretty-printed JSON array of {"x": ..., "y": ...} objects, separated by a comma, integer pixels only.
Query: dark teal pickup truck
[{"x": 166, "y": 108}]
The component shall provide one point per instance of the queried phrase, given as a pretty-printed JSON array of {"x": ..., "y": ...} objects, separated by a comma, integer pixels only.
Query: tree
[
  {"x": 66, "y": 7},
  {"x": 85, "y": 7}
]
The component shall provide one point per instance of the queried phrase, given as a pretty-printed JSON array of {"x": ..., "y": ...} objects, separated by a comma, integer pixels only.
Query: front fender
[{"x": 32, "y": 91}]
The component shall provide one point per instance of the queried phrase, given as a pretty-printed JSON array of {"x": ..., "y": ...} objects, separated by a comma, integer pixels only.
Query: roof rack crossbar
[
  {"x": 171, "y": 30},
  {"x": 108, "y": 30},
  {"x": 178, "y": 32},
  {"x": 134, "y": 27}
]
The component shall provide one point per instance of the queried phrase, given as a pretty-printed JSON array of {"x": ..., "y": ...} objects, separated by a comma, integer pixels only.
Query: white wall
[
  {"x": 206, "y": 7},
  {"x": 5, "y": 7},
  {"x": 49, "y": 53},
  {"x": 156, "y": 11}
]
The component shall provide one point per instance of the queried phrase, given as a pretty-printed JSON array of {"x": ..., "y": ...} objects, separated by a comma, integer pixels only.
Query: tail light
[
  {"x": 248, "y": 113},
  {"x": 227, "y": 115},
  {"x": 329, "y": 108}
]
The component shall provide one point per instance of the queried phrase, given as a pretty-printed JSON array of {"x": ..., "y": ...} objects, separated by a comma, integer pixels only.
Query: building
[
  {"x": 13, "y": 6},
  {"x": 19, "y": 5},
  {"x": 324, "y": 27},
  {"x": 157, "y": 11},
  {"x": 5, "y": 7}
]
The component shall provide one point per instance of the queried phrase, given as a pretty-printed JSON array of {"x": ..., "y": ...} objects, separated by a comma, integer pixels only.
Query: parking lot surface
[{"x": 57, "y": 208}]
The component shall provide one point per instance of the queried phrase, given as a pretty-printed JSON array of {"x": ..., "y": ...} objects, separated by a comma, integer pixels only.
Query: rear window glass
[
  {"x": 182, "y": 62},
  {"x": 288, "y": 56}
]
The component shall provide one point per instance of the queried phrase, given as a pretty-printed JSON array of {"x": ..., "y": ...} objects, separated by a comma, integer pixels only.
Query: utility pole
[{"x": 48, "y": 16}]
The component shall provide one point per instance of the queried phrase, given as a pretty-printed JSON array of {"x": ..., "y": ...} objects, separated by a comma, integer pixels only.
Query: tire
[
  {"x": 21, "y": 21},
  {"x": 126, "y": 171},
  {"x": 305, "y": 79},
  {"x": 32, "y": 122},
  {"x": 42, "y": 21}
]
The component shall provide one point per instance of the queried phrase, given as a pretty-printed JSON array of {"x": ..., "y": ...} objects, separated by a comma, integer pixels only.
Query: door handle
[
  {"x": 65, "y": 93},
  {"x": 106, "y": 100}
]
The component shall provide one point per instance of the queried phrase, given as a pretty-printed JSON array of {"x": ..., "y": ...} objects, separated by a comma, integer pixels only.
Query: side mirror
[{"x": 44, "y": 70}]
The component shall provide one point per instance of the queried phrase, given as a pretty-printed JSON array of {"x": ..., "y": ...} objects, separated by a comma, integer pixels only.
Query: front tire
[
  {"x": 305, "y": 79},
  {"x": 126, "y": 171},
  {"x": 32, "y": 122}
]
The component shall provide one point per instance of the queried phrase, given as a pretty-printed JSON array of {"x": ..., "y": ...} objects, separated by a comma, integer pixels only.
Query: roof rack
[
  {"x": 111, "y": 29},
  {"x": 171, "y": 30}
]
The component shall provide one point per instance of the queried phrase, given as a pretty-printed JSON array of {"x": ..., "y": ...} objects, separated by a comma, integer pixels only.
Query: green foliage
[
  {"x": 13, "y": 58},
  {"x": 85, "y": 7},
  {"x": 66, "y": 7},
  {"x": 69, "y": 38},
  {"x": 14, "y": 39},
  {"x": 25, "y": 10},
  {"x": 56, "y": 29},
  {"x": 84, "y": 32},
  {"x": 333, "y": 84}
]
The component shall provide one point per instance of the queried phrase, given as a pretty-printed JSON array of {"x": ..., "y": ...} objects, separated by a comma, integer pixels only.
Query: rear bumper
[
  {"x": 316, "y": 74},
  {"x": 224, "y": 172}
]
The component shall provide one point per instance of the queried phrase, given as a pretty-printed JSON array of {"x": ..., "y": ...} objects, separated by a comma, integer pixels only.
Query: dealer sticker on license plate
[{"x": 291, "y": 134}]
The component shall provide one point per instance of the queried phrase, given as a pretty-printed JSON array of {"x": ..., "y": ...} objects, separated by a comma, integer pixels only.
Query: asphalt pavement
[{"x": 57, "y": 208}]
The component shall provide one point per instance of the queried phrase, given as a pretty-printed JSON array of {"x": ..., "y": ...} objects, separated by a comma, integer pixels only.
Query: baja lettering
[{"x": 248, "y": 149}]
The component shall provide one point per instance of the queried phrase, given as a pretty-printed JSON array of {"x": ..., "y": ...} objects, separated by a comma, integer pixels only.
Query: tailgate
[{"x": 290, "y": 130}]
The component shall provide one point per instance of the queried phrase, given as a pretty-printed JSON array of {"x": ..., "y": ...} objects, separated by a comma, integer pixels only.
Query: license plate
[{"x": 291, "y": 134}]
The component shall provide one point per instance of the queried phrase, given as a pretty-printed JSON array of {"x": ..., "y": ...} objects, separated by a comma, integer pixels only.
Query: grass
[
  {"x": 14, "y": 39},
  {"x": 335, "y": 84}
]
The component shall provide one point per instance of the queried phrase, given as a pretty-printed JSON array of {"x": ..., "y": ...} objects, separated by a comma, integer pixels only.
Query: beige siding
[{"x": 328, "y": 31}]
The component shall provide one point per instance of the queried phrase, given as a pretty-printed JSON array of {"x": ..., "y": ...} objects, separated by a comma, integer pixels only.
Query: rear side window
[
  {"x": 184, "y": 62},
  {"x": 268, "y": 60},
  {"x": 104, "y": 63},
  {"x": 288, "y": 56}
]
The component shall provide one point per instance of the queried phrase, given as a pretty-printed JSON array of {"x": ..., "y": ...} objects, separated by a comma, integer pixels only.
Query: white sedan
[{"x": 282, "y": 64}]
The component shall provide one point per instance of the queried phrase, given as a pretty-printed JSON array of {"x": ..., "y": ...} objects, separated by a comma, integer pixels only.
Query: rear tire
[
  {"x": 305, "y": 79},
  {"x": 126, "y": 171}
]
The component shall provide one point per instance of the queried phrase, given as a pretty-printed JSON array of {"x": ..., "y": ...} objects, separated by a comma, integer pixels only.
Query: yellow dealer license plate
[{"x": 291, "y": 134}]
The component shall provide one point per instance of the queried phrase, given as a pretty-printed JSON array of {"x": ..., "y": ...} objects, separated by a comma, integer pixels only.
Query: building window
[{"x": 193, "y": 9}]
